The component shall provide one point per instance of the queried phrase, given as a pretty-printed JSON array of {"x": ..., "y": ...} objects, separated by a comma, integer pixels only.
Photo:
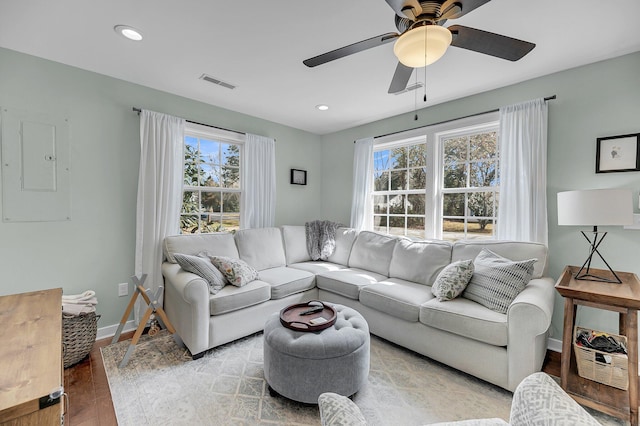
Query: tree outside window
[{"x": 211, "y": 195}]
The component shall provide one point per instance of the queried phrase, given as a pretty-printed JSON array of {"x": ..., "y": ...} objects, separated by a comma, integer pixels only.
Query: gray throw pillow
[
  {"x": 236, "y": 271},
  {"x": 204, "y": 268},
  {"x": 338, "y": 410},
  {"x": 496, "y": 280},
  {"x": 452, "y": 280}
]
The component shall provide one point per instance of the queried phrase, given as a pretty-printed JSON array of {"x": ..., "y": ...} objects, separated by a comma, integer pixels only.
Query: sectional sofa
[{"x": 387, "y": 279}]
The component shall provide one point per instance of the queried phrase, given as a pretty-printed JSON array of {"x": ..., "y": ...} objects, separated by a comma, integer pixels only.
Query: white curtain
[
  {"x": 159, "y": 195},
  {"x": 258, "y": 200},
  {"x": 361, "y": 202},
  {"x": 522, "y": 211}
]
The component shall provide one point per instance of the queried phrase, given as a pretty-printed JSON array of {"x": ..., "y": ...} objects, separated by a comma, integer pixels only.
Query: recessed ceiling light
[
  {"x": 322, "y": 107},
  {"x": 128, "y": 32}
]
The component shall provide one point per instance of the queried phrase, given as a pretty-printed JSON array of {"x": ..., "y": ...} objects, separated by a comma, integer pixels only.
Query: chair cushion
[
  {"x": 496, "y": 280},
  {"x": 372, "y": 252},
  {"x": 347, "y": 282},
  {"x": 514, "y": 250},
  {"x": 399, "y": 298},
  {"x": 419, "y": 261},
  {"x": 232, "y": 298},
  {"x": 317, "y": 267},
  {"x": 285, "y": 281},
  {"x": 261, "y": 248},
  {"x": 466, "y": 318},
  {"x": 216, "y": 244},
  {"x": 295, "y": 244},
  {"x": 344, "y": 243}
]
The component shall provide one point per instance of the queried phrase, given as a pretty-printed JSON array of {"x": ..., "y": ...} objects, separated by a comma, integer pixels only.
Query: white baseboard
[
  {"x": 110, "y": 330},
  {"x": 554, "y": 345}
]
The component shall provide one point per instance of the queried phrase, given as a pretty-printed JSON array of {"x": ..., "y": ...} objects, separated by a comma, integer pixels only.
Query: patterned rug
[{"x": 161, "y": 385}]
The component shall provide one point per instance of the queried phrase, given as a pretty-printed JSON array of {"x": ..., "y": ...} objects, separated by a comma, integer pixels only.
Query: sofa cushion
[
  {"x": 285, "y": 281},
  {"x": 202, "y": 267},
  {"x": 419, "y": 261},
  {"x": 232, "y": 298},
  {"x": 347, "y": 282},
  {"x": 216, "y": 244},
  {"x": 236, "y": 271},
  {"x": 261, "y": 248},
  {"x": 452, "y": 280},
  {"x": 317, "y": 267},
  {"x": 466, "y": 318},
  {"x": 396, "y": 297},
  {"x": 295, "y": 244},
  {"x": 496, "y": 280},
  {"x": 514, "y": 250},
  {"x": 372, "y": 252},
  {"x": 344, "y": 243}
]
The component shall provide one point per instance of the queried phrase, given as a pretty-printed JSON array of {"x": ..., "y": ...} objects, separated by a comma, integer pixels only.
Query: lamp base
[{"x": 584, "y": 273}]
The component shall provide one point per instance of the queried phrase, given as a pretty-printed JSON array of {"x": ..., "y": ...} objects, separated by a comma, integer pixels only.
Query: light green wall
[
  {"x": 601, "y": 99},
  {"x": 95, "y": 250}
]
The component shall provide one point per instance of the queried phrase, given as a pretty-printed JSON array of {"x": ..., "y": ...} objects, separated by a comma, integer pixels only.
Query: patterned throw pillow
[
  {"x": 496, "y": 280},
  {"x": 452, "y": 280},
  {"x": 236, "y": 271},
  {"x": 338, "y": 410},
  {"x": 204, "y": 268}
]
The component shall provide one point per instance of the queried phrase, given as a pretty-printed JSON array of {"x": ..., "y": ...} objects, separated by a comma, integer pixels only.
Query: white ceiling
[{"x": 259, "y": 46}]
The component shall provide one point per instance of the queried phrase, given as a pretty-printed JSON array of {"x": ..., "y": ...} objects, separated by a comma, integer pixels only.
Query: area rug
[{"x": 161, "y": 385}]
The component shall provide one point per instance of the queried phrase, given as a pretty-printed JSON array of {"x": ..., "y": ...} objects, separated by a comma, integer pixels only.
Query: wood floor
[{"x": 90, "y": 398}]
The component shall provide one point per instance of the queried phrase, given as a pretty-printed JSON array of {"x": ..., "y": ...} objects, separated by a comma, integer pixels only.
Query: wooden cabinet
[
  {"x": 31, "y": 358},
  {"x": 622, "y": 298}
]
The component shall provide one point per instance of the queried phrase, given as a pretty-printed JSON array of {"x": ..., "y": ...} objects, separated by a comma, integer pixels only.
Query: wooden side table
[
  {"x": 31, "y": 357},
  {"x": 622, "y": 298}
]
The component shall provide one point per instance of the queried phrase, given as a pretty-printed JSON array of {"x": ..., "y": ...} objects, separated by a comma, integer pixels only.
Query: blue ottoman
[{"x": 302, "y": 365}]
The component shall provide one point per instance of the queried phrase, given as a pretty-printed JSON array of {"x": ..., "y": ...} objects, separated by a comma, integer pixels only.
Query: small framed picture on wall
[
  {"x": 618, "y": 153},
  {"x": 298, "y": 177}
]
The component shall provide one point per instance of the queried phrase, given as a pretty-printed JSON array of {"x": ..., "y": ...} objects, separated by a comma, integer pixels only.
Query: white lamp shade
[
  {"x": 410, "y": 46},
  {"x": 594, "y": 207}
]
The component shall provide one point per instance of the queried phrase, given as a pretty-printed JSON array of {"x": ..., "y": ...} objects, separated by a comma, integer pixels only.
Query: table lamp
[{"x": 595, "y": 207}]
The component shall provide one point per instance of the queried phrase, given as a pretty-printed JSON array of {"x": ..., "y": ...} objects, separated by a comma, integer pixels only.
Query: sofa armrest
[
  {"x": 540, "y": 400},
  {"x": 186, "y": 301},
  {"x": 528, "y": 320}
]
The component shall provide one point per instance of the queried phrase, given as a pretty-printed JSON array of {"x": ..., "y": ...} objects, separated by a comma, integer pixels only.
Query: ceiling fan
[{"x": 422, "y": 39}]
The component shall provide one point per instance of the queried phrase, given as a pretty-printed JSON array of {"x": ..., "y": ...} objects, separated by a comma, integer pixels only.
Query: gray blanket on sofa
[{"x": 321, "y": 238}]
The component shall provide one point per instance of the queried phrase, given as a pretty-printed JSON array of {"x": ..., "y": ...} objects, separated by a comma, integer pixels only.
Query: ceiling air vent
[
  {"x": 410, "y": 88},
  {"x": 214, "y": 80}
]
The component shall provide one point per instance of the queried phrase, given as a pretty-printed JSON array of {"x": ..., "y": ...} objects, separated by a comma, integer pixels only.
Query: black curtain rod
[
  {"x": 548, "y": 98},
  {"x": 138, "y": 110}
]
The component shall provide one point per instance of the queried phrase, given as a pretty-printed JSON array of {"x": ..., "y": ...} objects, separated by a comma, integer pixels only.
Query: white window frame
[
  {"x": 434, "y": 176},
  {"x": 491, "y": 126},
  {"x": 219, "y": 135}
]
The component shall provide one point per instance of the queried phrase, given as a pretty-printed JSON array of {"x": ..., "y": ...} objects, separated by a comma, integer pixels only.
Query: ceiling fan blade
[
  {"x": 452, "y": 9},
  {"x": 400, "y": 78},
  {"x": 350, "y": 49},
  {"x": 488, "y": 43}
]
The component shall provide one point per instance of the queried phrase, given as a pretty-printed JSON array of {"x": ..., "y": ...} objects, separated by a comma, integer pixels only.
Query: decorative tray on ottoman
[{"x": 310, "y": 316}]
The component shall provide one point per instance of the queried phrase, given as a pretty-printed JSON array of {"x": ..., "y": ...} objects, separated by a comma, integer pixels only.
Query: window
[
  {"x": 212, "y": 185},
  {"x": 399, "y": 189},
  {"x": 438, "y": 182},
  {"x": 469, "y": 184}
]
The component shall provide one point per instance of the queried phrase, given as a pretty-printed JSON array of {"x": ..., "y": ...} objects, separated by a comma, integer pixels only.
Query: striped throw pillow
[
  {"x": 204, "y": 268},
  {"x": 496, "y": 280}
]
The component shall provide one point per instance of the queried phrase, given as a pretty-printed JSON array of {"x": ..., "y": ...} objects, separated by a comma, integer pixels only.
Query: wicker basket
[
  {"x": 78, "y": 336},
  {"x": 614, "y": 373}
]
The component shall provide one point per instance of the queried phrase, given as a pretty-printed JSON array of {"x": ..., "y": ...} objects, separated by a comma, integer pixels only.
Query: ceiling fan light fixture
[{"x": 410, "y": 46}]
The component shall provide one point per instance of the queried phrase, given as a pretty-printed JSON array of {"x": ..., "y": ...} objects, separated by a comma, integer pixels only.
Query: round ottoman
[{"x": 302, "y": 365}]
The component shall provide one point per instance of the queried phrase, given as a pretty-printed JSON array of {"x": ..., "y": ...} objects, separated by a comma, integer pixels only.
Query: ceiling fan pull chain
[{"x": 425, "y": 68}]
